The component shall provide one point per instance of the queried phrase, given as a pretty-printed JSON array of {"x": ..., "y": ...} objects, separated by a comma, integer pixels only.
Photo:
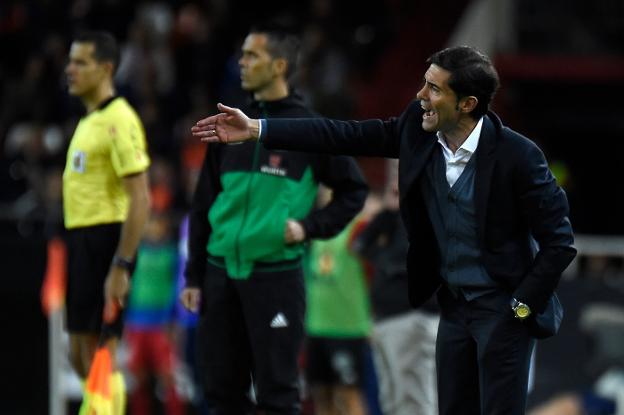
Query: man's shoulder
[
  {"x": 120, "y": 110},
  {"x": 508, "y": 136}
]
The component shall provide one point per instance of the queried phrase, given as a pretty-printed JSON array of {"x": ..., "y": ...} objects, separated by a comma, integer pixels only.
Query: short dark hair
[
  {"x": 472, "y": 73},
  {"x": 105, "y": 47},
  {"x": 281, "y": 43}
]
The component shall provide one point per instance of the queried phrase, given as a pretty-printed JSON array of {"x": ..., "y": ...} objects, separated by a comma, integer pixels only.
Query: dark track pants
[{"x": 252, "y": 329}]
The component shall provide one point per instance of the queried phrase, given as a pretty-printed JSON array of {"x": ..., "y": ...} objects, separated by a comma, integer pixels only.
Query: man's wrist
[
  {"x": 122, "y": 262},
  {"x": 521, "y": 310},
  {"x": 262, "y": 129},
  {"x": 255, "y": 129}
]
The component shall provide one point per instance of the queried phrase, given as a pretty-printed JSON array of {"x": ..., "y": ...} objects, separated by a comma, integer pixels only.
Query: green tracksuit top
[{"x": 245, "y": 194}]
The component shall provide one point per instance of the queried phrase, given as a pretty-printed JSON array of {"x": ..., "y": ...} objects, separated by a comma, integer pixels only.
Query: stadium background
[{"x": 562, "y": 69}]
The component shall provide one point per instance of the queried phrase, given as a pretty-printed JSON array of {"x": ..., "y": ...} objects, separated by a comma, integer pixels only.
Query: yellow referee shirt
[{"x": 108, "y": 144}]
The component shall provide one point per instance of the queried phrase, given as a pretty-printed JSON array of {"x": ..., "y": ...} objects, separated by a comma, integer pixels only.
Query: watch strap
[{"x": 122, "y": 262}]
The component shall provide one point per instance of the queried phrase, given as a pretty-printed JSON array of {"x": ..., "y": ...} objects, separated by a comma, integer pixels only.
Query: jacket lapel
[
  {"x": 483, "y": 176},
  {"x": 413, "y": 161},
  {"x": 415, "y": 152}
]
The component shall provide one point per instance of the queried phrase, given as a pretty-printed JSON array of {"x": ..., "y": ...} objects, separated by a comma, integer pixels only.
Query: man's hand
[
  {"x": 294, "y": 232},
  {"x": 116, "y": 286},
  {"x": 190, "y": 298},
  {"x": 229, "y": 126}
]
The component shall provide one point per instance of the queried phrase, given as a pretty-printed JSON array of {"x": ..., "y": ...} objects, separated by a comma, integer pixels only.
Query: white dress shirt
[{"x": 456, "y": 162}]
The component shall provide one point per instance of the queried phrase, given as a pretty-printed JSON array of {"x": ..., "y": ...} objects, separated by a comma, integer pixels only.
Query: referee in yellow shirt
[{"x": 105, "y": 194}]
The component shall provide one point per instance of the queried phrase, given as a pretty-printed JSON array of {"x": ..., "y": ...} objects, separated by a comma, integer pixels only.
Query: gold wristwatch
[{"x": 521, "y": 310}]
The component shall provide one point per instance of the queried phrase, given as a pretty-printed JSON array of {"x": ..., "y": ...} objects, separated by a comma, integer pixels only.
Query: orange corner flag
[{"x": 53, "y": 288}]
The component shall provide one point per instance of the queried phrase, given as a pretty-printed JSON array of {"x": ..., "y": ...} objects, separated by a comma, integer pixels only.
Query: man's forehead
[
  {"x": 82, "y": 49},
  {"x": 436, "y": 74},
  {"x": 255, "y": 41}
]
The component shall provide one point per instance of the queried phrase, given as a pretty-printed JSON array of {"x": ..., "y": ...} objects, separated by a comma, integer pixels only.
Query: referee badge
[{"x": 78, "y": 161}]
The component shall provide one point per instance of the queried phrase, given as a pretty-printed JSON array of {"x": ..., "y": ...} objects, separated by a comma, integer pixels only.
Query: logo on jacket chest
[{"x": 274, "y": 166}]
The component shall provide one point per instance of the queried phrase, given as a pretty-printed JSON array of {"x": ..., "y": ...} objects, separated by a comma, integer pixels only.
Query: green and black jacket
[{"x": 245, "y": 194}]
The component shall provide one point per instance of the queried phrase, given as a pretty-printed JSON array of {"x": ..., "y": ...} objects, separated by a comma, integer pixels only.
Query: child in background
[{"x": 150, "y": 312}]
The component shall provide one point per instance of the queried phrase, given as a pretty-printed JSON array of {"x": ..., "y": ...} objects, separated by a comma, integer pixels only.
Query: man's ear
[
  {"x": 280, "y": 66},
  {"x": 468, "y": 104},
  {"x": 108, "y": 67}
]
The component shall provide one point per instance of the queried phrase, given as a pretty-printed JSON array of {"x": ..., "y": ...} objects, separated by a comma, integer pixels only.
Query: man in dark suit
[{"x": 487, "y": 224}]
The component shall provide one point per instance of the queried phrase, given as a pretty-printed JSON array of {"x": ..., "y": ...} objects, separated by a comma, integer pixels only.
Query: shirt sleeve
[
  {"x": 262, "y": 128},
  {"x": 128, "y": 147}
]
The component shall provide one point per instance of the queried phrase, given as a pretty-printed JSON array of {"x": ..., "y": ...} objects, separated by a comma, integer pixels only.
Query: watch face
[{"x": 522, "y": 311}]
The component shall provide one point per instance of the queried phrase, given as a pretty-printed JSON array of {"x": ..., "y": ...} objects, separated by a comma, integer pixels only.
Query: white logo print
[
  {"x": 279, "y": 321},
  {"x": 78, "y": 161}
]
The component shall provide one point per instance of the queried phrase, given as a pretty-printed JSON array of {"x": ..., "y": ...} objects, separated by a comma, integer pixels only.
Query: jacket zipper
[{"x": 254, "y": 166}]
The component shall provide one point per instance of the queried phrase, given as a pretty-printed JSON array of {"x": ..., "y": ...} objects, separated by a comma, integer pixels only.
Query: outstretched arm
[
  {"x": 317, "y": 135},
  {"x": 231, "y": 125}
]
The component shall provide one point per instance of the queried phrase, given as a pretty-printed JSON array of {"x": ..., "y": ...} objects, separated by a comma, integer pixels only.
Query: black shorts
[
  {"x": 332, "y": 361},
  {"x": 90, "y": 252}
]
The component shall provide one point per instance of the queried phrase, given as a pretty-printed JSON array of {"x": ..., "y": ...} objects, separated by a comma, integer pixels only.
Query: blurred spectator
[
  {"x": 149, "y": 319},
  {"x": 403, "y": 339},
  {"x": 338, "y": 323},
  {"x": 324, "y": 74}
]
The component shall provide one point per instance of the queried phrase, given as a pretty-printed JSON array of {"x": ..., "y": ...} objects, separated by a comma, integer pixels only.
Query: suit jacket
[{"x": 523, "y": 228}]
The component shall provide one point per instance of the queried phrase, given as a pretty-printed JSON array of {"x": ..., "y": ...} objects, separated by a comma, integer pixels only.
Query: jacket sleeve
[
  {"x": 545, "y": 209},
  {"x": 349, "y": 191},
  {"x": 354, "y": 138},
  {"x": 207, "y": 188}
]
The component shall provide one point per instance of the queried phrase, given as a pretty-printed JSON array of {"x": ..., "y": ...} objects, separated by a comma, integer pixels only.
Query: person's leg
[
  {"x": 340, "y": 373},
  {"x": 385, "y": 343},
  {"x": 319, "y": 375},
  {"x": 456, "y": 359},
  {"x": 274, "y": 306},
  {"x": 139, "y": 358},
  {"x": 504, "y": 351},
  {"x": 81, "y": 350},
  {"x": 90, "y": 251},
  {"x": 223, "y": 348},
  {"x": 348, "y": 400},
  {"x": 404, "y": 351},
  {"x": 164, "y": 364},
  {"x": 419, "y": 368},
  {"x": 323, "y": 399}
]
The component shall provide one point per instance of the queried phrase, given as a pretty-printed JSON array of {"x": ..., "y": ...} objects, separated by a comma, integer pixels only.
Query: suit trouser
[
  {"x": 241, "y": 337},
  {"x": 482, "y": 356}
]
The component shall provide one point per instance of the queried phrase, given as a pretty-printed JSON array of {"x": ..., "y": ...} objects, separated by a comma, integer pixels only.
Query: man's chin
[{"x": 428, "y": 127}]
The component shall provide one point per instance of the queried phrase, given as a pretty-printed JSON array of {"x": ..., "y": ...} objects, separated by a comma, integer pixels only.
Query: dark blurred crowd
[{"x": 178, "y": 59}]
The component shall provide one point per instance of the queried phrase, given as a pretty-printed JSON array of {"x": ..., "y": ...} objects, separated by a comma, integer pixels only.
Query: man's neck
[
  {"x": 458, "y": 135},
  {"x": 274, "y": 92},
  {"x": 93, "y": 100}
]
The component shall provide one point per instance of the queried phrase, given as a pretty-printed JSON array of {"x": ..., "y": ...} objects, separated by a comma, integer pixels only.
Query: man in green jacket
[{"x": 251, "y": 213}]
